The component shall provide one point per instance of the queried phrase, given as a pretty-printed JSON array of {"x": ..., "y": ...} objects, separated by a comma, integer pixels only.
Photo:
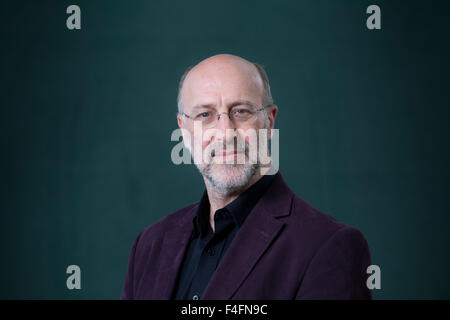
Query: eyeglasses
[{"x": 238, "y": 115}]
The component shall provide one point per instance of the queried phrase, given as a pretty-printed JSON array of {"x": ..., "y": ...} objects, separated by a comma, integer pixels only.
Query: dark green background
[{"x": 86, "y": 118}]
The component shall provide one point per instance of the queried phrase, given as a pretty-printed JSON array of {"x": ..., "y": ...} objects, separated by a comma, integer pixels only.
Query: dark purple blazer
[{"x": 285, "y": 249}]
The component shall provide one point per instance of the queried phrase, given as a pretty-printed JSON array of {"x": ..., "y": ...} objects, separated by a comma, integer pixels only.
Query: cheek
[
  {"x": 251, "y": 134},
  {"x": 200, "y": 140}
]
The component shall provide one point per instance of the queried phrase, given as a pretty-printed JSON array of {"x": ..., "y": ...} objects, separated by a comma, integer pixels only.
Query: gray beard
[
  {"x": 243, "y": 172},
  {"x": 248, "y": 170}
]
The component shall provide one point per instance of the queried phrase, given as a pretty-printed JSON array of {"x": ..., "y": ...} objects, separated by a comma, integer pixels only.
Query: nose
[
  {"x": 224, "y": 122},
  {"x": 226, "y": 127}
]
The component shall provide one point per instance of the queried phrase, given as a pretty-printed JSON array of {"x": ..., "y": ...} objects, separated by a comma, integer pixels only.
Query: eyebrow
[{"x": 230, "y": 105}]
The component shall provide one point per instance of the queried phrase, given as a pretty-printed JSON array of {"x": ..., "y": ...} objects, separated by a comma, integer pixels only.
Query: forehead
[{"x": 222, "y": 83}]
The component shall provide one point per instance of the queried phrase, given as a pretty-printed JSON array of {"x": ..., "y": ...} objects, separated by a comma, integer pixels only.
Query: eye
[
  {"x": 241, "y": 111},
  {"x": 203, "y": 115}
]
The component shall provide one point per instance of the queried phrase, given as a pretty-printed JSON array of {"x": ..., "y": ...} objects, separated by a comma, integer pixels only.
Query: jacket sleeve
[
  {"x": 338, "y": 269},
  {"x": 128, "y": 286}
]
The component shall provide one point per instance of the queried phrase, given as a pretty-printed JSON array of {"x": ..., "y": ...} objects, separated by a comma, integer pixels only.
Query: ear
[
  {"x": 180, "y": 121},
  {"x": 272, "y": 114},
  {"x": 186, "y": 139}
]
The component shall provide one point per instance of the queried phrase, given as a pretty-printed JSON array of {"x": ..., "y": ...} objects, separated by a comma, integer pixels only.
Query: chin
[{"x": 229, "y": 178}]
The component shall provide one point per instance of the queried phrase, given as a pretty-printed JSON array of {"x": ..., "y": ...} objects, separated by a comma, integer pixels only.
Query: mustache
[{"x": 219, "y": 147}]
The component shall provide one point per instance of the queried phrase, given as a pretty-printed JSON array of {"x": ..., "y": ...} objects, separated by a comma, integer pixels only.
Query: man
[{"x": 250, "y": 236}]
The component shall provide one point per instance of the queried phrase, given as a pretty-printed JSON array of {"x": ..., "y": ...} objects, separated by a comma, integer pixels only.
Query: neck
[{"x": 219, "y": 199}]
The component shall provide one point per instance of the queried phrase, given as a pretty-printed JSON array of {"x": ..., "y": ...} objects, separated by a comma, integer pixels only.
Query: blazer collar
[
  {"x": 239, "y": 208},
  {"x": 253, "y": 238}
]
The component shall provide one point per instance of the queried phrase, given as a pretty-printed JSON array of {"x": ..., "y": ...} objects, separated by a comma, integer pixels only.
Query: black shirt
[{"x": 206, "y": 248}]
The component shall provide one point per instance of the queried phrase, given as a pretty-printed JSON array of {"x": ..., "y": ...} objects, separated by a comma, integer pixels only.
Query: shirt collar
[{"x": 239, "y": 208}]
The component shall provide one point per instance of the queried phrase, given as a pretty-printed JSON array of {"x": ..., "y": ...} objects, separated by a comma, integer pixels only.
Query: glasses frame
[{"x": 227, "y": 113}]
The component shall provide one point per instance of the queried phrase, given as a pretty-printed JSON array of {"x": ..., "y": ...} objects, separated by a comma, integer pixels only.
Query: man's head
[{"x": 221, "y": 85}]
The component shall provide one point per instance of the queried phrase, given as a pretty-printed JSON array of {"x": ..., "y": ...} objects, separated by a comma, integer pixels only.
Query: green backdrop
[{"x": 86, "y": 118}]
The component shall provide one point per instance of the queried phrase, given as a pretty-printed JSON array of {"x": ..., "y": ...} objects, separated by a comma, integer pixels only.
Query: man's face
[{"x": 221, "y": 85}]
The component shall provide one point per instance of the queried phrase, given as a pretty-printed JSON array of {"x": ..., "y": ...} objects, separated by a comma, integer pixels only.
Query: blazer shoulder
[
  {"x": 305, "y": 214},
  {"x": 320, "y": 227},
  {"x": 157, "y": 229}
]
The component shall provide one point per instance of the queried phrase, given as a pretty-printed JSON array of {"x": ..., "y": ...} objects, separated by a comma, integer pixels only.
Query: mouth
[{"x": 226, "y": 155}]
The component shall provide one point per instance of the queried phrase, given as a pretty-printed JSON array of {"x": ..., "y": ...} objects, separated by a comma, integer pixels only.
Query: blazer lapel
[
  {"x": 253, "y": 239},
  {"x": 175, "y": 243}
]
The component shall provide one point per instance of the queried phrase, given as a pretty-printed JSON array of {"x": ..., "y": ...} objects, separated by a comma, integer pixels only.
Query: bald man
[{"x": 249, "y": 236}]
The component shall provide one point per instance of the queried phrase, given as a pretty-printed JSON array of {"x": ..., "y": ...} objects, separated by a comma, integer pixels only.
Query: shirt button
[
  {"x": 211, "y": 252},
  {"x": 195, "y": 297}
]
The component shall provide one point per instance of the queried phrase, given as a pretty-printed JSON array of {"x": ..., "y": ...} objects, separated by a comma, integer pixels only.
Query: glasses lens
[
  {"x": 238, "y": 115},
  {"x": 208, "y": 118},
  {"x": 243, "y": 115}
]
